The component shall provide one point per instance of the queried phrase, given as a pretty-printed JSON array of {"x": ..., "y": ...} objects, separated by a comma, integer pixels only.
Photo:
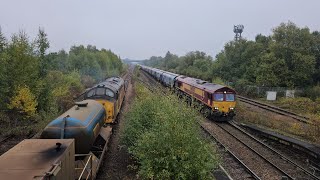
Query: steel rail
[
  {"x": 273, "y": 150},
  {"x": 254, "y": 175},
  {"x": 275, "y": 109},
  {"x": 260, "y": 155}
]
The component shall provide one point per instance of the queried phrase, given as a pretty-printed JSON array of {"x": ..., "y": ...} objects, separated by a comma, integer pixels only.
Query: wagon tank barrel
[{"x": 82, "y": 122}]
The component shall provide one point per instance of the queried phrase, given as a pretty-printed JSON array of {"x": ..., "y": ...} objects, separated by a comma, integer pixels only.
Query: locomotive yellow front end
[
  {"x": 224, "y": 103},
  {"x": 110, "y": 93}
]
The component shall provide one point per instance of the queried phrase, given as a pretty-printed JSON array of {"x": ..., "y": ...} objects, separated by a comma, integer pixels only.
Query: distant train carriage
[
  {"x": 215, "y": 100},
  {"x": 110, "y": 93},
  {"x": 158, "y": 74},
  {"x": 168, "y": 79}
]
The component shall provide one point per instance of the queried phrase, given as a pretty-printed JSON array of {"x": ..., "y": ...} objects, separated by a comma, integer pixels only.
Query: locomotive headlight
[
  {"x": 231, "y": 108},
  {"x": 216, "y": 108}
]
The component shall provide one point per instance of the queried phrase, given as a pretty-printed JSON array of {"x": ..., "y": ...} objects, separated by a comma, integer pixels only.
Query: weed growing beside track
[
  {"x": 278, "y": 123},
  {"x": 163, "y": 135}
]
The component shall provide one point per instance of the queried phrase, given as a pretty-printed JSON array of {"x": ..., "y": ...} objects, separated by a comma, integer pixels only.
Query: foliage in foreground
[{"x": 162, "y": 134}]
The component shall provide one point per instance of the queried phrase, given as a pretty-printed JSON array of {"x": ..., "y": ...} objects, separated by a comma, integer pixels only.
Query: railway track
[
  {"x": 233, "y": 160},
  {"x": 274, "y": 109},
  {"x": 258, "y": 159}
]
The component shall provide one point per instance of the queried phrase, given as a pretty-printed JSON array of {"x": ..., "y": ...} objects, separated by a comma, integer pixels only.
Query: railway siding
[
  {"x": 311, "y": 149},
  {"x": 290, "y": 167}
]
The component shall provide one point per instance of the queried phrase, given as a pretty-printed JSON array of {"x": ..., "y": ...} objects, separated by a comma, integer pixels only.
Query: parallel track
[
  {"x": 274, "y": 109},
  {"x": 283, "y": 167},
  {"x": 241, "y": 163}
]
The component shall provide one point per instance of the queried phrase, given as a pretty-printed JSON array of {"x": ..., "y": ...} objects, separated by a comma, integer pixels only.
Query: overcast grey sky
[{"x": 138, "y": 29}]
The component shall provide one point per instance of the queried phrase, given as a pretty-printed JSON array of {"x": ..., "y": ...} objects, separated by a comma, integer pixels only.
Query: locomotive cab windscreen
[
  {"x": 101, "y": 93},
  {"x": 224, "y": 96},
  {"x": 224, "y": 102}
]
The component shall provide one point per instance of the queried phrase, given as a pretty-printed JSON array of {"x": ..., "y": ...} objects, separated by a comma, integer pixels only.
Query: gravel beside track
[
  {"x": 234, "y": 166},
  {"x": 298, "y": 156},
  {"x": 292, "y": 169},
  {"x": 263, "y": 169}
]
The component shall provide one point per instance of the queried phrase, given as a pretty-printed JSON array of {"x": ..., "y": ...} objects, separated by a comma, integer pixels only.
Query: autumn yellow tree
[{"x": 24, "y": 102}]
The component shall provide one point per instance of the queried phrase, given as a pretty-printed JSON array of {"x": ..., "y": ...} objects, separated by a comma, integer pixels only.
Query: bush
[
  {"x": 63, "y": 88},
  {"x": 312, "y": 92},
  {"x": 24, "y": 102},
  {"x": 302, "y": 104},
  {"x": 162, "y": 134},
  {"x": 218, "y": 80}
]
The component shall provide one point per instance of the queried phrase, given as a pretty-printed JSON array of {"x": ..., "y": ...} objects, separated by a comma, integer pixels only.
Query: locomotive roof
[
  {"x": 173, "y": 74},
  {"x": 204, "y": 85},
  {"x": 113, "y": 83}
]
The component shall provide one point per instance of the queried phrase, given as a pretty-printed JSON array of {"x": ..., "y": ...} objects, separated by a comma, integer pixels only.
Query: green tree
[
  {"x": 4, "y": 89},
  {"x": 294, "y": 45},
  {"x": 271, "y": 71},
  {"x": 22, "y": 66},
  {"x": 42, "y": 44}
]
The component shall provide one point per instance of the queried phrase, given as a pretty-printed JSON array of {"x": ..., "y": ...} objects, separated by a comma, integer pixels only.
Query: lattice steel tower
[{"x": 238, "y": 29}]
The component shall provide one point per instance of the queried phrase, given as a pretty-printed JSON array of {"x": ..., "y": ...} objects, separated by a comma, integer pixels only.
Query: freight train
[
  {"x": 73, "y": 145},
  {"x": 215, "y": 101}
]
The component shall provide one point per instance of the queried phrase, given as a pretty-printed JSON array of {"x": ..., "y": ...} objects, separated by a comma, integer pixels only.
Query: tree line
[
  {"x": 35, "y": 84},
  {"x": 289, "y": 57}
]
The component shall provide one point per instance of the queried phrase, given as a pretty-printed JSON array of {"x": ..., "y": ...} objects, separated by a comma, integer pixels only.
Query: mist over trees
[
  {"x": 34, "y": 83},
  {"x": 289, "y": 57}
]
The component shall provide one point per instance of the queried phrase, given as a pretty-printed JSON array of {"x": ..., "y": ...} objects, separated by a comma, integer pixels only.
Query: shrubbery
[
  {"x": 24, "y": 102},
  {"x": 302, "y": 104},
  {"x": 164, "y": 137}
]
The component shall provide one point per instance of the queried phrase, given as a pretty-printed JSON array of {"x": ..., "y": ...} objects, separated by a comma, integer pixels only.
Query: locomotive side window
[
  {"x": 91, "y": 93},
  {"x": 218, "y": 97},
  {"x": 229, "y": 97},
  {"x": 109, "y": 93}
]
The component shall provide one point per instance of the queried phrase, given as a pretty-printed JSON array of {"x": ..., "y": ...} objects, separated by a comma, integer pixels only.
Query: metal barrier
[{"x": 87, "y": 166}]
